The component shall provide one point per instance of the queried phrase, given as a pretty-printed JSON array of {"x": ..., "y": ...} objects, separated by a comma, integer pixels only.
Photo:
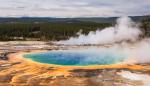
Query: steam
[
  {"x": 124, "y": 30},
  {"x": 139, "y": 52}
]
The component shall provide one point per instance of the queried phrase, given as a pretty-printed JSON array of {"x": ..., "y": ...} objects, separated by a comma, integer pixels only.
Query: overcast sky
[{"x": 73, "y": 8}]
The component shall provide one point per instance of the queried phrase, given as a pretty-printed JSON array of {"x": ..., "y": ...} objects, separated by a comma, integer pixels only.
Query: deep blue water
[{"x": 77, "y": 57}]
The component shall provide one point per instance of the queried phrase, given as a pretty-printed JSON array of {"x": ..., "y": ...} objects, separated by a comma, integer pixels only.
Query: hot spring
[{"x": 77, "y": 57}]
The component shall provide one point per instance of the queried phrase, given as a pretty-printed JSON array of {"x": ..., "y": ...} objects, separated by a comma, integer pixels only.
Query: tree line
[{"x": 45, "y": 30}]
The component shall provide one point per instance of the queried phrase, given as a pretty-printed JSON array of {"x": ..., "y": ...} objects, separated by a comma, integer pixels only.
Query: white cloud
[{"x": 73, "y": 8}]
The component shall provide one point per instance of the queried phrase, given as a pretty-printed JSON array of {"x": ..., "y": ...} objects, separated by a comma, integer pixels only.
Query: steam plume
[{"x": 124, "y": 30}]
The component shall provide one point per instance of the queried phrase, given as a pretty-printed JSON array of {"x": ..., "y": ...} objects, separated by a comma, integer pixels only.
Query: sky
[{"x": 73, "y": 8}]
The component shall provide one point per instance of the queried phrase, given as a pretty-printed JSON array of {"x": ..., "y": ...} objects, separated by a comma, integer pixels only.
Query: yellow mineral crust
[{"x": 31, "y": 67}]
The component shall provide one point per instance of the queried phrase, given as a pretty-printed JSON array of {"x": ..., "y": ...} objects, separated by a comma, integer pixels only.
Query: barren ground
[{"x": 21, "y": 72}]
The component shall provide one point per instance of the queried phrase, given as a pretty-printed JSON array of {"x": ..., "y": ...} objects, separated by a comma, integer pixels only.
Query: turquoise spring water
[{"x": 77, "y": 57}]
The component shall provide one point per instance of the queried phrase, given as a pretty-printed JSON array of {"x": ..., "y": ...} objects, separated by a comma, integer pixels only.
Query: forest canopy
[
  {"x": 46, "y": 31},
  {"x": 56, "y": 30}
]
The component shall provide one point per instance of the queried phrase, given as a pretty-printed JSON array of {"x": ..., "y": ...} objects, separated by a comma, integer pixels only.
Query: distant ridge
[{"x": 71, "y": 20}]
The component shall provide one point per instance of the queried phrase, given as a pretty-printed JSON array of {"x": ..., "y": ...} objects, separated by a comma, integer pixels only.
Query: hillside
[
  {"x": 72, "y": 20},
  {"x": 44, "y": 29}
]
